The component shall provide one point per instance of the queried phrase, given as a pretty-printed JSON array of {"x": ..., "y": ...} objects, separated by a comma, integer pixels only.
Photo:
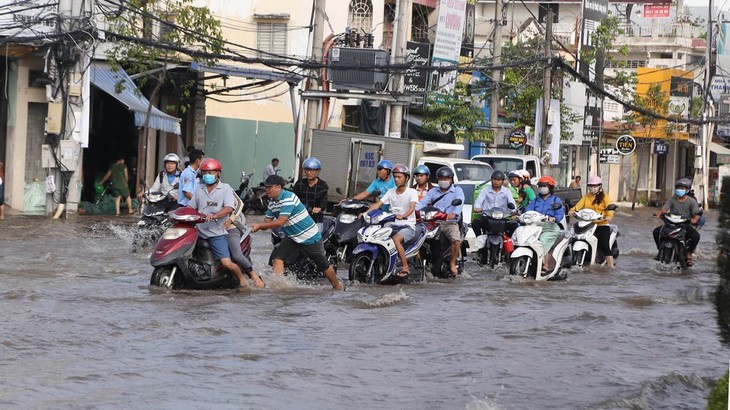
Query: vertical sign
[
  {"x": 467, "y": 40},
  {"x": 416, "y": 77},
  {"x": 446, "y": 47}
]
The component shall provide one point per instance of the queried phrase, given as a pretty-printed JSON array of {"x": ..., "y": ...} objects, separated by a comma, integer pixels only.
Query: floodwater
[{"x": 82, "y": 329}]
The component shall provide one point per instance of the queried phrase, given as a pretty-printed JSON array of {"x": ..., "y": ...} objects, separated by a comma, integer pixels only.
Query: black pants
[
  {"x": 603, "y": 234},
  {"x": 693, "y": 238}
]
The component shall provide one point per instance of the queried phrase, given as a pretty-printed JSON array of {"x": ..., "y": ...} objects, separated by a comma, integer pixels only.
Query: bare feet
[{"x": 258, "y": 282}]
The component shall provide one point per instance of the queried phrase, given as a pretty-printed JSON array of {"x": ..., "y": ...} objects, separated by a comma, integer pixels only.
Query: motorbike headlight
[
  {"x": 497, "y": 214},
  {"x": 173, "y": 233},
  {"x": 430, "y": 215},
  {"x": 347, "y": 218}
]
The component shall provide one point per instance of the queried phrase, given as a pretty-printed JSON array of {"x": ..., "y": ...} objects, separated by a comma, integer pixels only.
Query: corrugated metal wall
[{"x": 240, "y": 146}]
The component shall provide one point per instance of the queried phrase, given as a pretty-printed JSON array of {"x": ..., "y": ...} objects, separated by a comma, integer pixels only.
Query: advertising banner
[
  {"x": 416, "y": 80},
  {"x": 657, "y": 10},
  {"x": 446, "y": 48}
]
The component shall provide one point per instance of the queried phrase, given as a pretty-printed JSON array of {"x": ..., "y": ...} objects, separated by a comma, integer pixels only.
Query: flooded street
[{"x": 81, "y": 329}]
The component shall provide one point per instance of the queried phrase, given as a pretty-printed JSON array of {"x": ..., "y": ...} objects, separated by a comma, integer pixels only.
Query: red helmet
[
  {"x": 210, "y": 164},
  {"x": 546, "y": 180}
]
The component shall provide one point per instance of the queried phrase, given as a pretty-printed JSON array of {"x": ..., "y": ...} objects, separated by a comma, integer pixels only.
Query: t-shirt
[
  {"x": 300, "y": 227},
  {"x": 400, "y": 203},
  {"x": 210, "y": 203},
  {"x": 382, "y": 186},
  {"x": 687, "y": 208},
  {"x": 188, "y": 183}
]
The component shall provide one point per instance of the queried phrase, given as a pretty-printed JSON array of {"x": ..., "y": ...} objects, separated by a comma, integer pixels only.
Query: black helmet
[
  {"x": 498, "y": 175},
  {"x": 684, "y": 183},
  {"x": 444, "y": 172}
]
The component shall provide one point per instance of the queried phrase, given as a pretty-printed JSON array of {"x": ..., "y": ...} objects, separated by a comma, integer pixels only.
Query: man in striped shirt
[{"x": 287, "y": 211}]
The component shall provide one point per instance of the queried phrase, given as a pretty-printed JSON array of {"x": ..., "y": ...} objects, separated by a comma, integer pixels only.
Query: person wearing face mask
[
  {"x": 597, "y": 200},
  {"x": 682, "y": 204},
  {"x": 216, "y": 200},
  {"x": 496, "y": 196},
  {"x": 543, "y": 203},
  {"x": 442, "y": 197}
]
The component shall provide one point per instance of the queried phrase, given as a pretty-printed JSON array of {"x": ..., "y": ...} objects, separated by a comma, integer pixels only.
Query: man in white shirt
[
  {"x": 271, "y": 168},
  {"x": 402, "y": 201}
]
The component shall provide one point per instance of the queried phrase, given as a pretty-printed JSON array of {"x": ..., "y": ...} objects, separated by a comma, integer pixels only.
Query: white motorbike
[
  {"x": 527, "y": 257},
  {"x": 375, "y": 259},
  {"x": 584, "y": 242}
]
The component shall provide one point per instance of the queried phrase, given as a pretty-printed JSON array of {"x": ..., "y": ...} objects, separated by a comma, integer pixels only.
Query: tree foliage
[
  {"x": 152, "y": 34},
  {"x": 448, "y": 110}
]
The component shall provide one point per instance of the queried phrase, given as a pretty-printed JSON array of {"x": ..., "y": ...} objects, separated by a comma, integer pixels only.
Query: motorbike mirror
[
  {"x": 612, "y": 207},
  {"x": 339, "y": 191},
  {"x": 555, "y": 206},
  {"x": 511, "y": 206},
  {"x": 456, "y": 202}
]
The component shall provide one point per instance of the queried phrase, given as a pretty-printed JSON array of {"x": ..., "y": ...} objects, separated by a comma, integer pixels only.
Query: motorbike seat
[{"x": 202, "y": 243}]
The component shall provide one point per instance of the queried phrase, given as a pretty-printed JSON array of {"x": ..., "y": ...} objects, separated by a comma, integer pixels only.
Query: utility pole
[
  {"x": 706, "y": 108},
  {"x": 313, "y": 103},
  {"x": 496, "y": 72},
  {"x": 399, "y": 45},
  {"x": 547, "y": 80}
]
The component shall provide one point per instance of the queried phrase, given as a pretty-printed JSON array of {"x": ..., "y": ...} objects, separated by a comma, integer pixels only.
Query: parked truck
[{"x": 349, "y": 159}]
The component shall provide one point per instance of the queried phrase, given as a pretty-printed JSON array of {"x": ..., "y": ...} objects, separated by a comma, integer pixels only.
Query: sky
[{"x": 722, "y": 4}]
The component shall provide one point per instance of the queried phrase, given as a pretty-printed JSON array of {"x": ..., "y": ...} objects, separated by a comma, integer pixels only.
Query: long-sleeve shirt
[
  {"x": 544, "y": 206},
  {"x": 586, "y": 202},
  {"x": 312, "y": 196}
]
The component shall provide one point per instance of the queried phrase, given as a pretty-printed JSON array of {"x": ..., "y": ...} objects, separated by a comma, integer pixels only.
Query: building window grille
[
  {"x": 360, "y": 16},
  {"x": 271, "y": 39}
]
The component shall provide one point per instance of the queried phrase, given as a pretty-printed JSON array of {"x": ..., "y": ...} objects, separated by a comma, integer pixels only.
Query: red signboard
[{"x": 656, "y": 10}]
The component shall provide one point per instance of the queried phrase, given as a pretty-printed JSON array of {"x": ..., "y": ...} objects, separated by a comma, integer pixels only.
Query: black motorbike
[
  {"x": 494, "y": 245},
  {"x": 154, "y": 219},
  {"x": 673, "y": 240},
  {"x": 303, "y": 267},
  {"x": 347, "y": 223}
]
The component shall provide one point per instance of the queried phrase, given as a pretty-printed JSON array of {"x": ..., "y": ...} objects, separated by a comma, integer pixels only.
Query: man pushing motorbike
[
  {"x": 287, "y": 212},
  {"x": 441, "y": 197},
  {"x": 216, "y": 200}
]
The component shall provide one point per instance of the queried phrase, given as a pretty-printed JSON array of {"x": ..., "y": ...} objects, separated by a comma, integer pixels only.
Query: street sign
[
  {"x": 661, "y": 147},
  {"x": 625, "y": 144},
  {"x": 517, "y": 139},
  {"x": 609, "y": 156}
]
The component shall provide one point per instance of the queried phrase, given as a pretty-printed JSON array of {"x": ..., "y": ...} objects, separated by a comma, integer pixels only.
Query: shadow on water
[{"x": 719, "y": 396}]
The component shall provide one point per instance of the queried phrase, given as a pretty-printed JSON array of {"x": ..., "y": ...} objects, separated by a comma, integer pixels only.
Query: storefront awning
[
  {"x": 719, "y": 149},
  {"x": 103, "y": 77}
]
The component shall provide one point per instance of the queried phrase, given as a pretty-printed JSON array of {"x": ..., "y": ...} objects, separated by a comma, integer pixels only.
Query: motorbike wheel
[
  {"x": 359, "y": 269},
  {"x": 161, "y": 277},
  {"x": 493, "y": 256},
  {"x": 579, "y": 258},
  {"x": 667, "y": 255},
  {"x": 520, "y": 266}
]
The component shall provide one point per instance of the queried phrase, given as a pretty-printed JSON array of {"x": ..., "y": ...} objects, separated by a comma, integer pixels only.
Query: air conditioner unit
[{"x": 344, "y": 73}]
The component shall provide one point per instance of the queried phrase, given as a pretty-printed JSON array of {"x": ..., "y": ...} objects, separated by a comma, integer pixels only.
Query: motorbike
[
  {"x": 244, "y": 191},
  {"x": 347, "y": 224},
  {"x": 673, "y": 240},
  {"x": 495, "y": 246},
  {"x": 584, "y": 243},
  {"x": 527, "y": 258},
  {"x": 375, "y": 259},
  {"x": 303, "y": 268},
  {"x": 436, "y": 251},
  {"x": 183, "y": 260},
  {"x": 154, "y": 219}
]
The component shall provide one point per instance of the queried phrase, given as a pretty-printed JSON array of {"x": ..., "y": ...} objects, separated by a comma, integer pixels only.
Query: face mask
[
  {"x": 680, "y": 192},
  {"x": 209, "y": 179},
  {"x": 595, "y": 190},
  {"x": 444, "y": 184},
  {"x": 544, "y": 190}
]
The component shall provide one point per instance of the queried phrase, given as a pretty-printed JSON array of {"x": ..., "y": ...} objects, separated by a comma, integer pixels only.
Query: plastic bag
[{"x": 34, "y": 198}]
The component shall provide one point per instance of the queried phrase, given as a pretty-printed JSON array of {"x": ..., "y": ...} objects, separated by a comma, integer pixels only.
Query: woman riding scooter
[
  {"x": 598, "y": 201},
  {"x": 543, "y": 203}
]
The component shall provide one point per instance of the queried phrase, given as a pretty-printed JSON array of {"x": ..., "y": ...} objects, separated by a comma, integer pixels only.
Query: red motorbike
[{"x": 184, "y": 260}]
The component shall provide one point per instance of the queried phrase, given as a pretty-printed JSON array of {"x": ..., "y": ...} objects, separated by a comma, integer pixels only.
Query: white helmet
[{"x": 172, "y": 157}]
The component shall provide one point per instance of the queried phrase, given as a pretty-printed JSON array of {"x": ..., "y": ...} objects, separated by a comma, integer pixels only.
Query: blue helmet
[
  {"x": 385, "y": 164},
  {"x": 311, "y": 163},
  {"x": 421, "y": 169}
]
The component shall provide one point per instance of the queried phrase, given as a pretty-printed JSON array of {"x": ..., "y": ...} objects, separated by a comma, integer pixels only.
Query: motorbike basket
[{"x": 496, "y": 226}]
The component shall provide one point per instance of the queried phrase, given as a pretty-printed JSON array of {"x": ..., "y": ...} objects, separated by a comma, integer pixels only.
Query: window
[
  {"x": 271, "y": 38},
  {"x": 360, "y": 16}
]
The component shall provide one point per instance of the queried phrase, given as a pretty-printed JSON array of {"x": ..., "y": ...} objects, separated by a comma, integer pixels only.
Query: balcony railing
[{"x": 675, "y": 30}]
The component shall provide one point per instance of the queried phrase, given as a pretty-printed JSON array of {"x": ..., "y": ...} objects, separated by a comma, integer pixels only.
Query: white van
[
  {"x": 507, "y": 163},
  {"x": 464, "y": 169}
]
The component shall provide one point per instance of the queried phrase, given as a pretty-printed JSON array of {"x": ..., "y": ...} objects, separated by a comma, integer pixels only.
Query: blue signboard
[{"x": 660, "y": 148}]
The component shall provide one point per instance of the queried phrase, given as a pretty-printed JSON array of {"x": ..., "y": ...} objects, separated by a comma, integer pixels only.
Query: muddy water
[{"x": 81, "y": 329}]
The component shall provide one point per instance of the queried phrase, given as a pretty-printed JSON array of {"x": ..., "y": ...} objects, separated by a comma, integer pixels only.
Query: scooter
[
  {"x": 584, "y": 242},
  {"x": 347, "y": 224},
  {"x": 673, "y": 240},
  {"x": 154, "y": 219},
  {"x": 183, "y": 260},
  {"x": 527, "y": 258},
  {"x": 303, "y": 268},
  {"x": 375, "y": 259},
  {"x": 495, "y": 246},
  {"x": 436, "y": 250},
  {"x": 243, "y": 191}
]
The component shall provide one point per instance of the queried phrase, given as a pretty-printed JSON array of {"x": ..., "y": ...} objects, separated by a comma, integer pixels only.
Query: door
[{"x": 365, "y": 157}]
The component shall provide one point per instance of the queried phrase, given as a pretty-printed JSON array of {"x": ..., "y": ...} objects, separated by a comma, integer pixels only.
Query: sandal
[{"x": 403, "y": 274}]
